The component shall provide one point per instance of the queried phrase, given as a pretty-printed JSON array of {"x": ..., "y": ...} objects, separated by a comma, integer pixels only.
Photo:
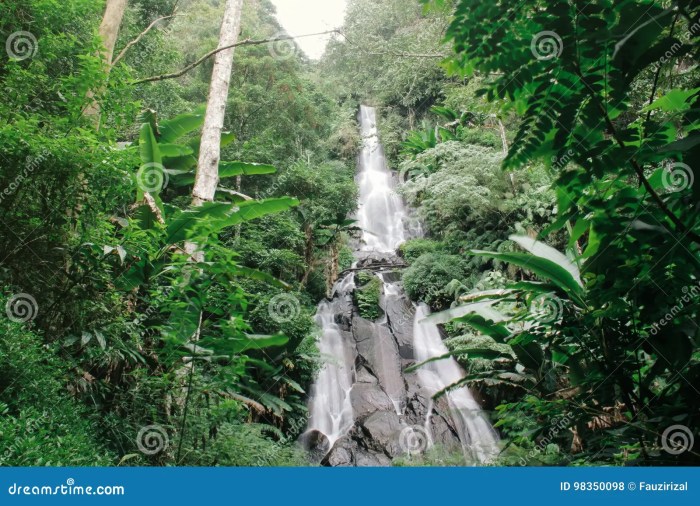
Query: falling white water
[
  {"x": 382, "y": 217},
  {"x": 478, "y": 438},
  {"x": 381, "y": 212},
  {"x": 330, "y": 408}
]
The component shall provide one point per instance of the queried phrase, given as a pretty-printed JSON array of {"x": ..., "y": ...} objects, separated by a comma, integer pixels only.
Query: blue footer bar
[{"x": 356, "y": 487}]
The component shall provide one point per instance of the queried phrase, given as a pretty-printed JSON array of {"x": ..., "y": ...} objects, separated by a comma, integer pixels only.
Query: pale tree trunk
[
  {"x": 109, "y": 31},
  {"x": 504, "y": 142},
  {"x": 207, "y": 177}
]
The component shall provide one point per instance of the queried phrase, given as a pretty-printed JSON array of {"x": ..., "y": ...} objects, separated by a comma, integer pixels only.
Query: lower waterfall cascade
[{"x": 365, "y": 409}]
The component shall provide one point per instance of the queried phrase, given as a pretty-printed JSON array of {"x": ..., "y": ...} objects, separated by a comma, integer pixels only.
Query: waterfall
[
  {"x": 478, "y": 438},
  {"x": 330, "y": 409},
  {"x": 362, "y": 400},
  {"x": 381, "y": 212}
]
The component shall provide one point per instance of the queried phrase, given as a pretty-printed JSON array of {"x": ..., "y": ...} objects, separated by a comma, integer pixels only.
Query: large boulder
[
  {"x": 379, "y": 350},
  {"x": 382, "y": 431},
  {"x": 315, "y": 443},
  {"x": 367, "y": 398}
]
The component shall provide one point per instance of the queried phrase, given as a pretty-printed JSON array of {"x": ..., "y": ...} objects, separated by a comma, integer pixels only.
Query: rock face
[{"x": 390, "y": 408}]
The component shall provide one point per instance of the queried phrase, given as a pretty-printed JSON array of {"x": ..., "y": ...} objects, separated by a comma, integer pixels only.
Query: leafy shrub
[
  {"x": 40, "y": 423},
  {"x": 414, "y": 248},
  {"x": 367, "y": 295},
  {"x": 427, "y": 278}
]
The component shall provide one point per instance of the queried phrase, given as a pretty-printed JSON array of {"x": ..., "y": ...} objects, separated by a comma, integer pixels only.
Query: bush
[
  {"x": 40, "y": 423},
  {"x": 367, "y": 295},
  {"x": 414, "y": 248},
  {"x": 427, "y": 278}
]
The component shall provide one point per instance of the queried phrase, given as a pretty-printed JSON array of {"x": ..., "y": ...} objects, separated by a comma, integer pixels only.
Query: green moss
[{"x": 367, "y": 295}]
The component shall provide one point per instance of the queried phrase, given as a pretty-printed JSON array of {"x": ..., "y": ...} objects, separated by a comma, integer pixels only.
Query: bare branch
[
  {"x": 138, "y": 39},
  {"x": 247, "y": 42}
]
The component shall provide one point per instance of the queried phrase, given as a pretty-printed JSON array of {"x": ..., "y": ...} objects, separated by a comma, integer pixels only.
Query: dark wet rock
[
  {"x": 338, "y": 457},
  {"x": 343, "y": 309},
  {"x": 374, "y": 260},
  {"x": 364, "y": 376},
  {"x": 379, "y": 350},
  {"x": 400, "y": 314},
  {"x": 367, "y": 399},
  {"x": 382, "y": 430},
  {"x": 315, "y": 443},
  {"x": 393, "y": 276},
  {"x": 365, "y": 459}
]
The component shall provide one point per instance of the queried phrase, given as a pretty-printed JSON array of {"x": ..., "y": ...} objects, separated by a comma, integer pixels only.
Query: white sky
[{"x": 299, "y": 17}]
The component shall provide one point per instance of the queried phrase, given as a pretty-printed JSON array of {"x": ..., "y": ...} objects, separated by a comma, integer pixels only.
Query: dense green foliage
[
  {"x": 548, "y": 156},
  {"x": 130, "y": 342},
  {"x": 609, "y": 104}
]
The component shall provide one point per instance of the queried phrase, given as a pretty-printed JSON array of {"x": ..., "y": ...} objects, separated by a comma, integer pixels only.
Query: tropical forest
[{"x": 416, "y": 233}]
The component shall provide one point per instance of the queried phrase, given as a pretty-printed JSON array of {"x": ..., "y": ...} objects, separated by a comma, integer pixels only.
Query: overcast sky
[{"x": 299, "y": 17}]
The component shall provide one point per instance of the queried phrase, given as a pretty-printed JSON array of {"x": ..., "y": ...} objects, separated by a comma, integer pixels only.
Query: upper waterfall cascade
[{"x": 365, "y": 409}]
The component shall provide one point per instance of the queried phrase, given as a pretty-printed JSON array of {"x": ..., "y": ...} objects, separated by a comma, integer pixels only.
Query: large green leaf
[
  {"x": 253, "y": 209},
  {"x": 171, "y": 130},
  {"x": 218, "y": 215},
  {"x": 542, "y": 250},
  {"x": 483, "y": 309},
  {"x": 182, "y": 225},
  {"x": 230, "y": 169},
  {"x": 543, "y": 268},
  {"x": 151, "y": 162},
  {"x": 238, "y": 345}
]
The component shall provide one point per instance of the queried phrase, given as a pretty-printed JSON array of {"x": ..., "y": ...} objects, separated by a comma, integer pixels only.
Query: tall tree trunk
[
  {"x": 207, "y": 176},
  {"x": 109, "y": 31},
  {"x": 504, "y": 142}
]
